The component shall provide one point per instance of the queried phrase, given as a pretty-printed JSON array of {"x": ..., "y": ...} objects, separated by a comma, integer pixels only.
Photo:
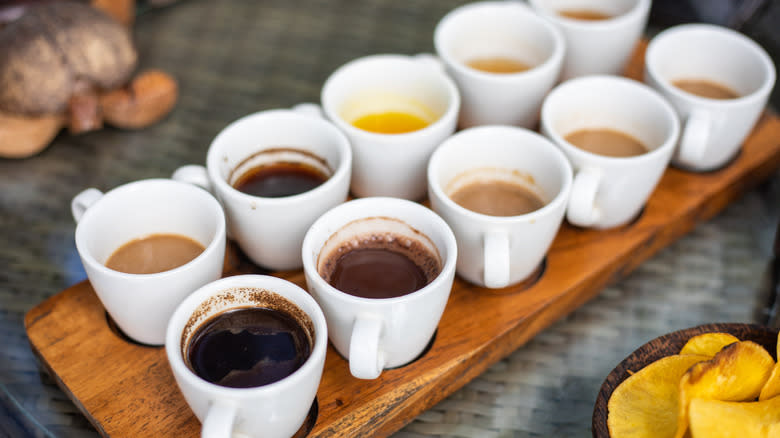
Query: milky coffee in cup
[
  {"x": 155, "y": 253},
  {"x": 494, "y": 192},
  {"x": 607, "y": 141}
]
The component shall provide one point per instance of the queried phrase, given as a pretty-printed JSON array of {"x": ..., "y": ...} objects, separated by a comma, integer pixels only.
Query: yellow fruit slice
[
  {"x": 724, "y": 419},
  {"x": 708, "y": 344},
  {"x": 646, "y": 403},
  {"x": 772, "y": 386},
  {"x": 736, "y": 373}
]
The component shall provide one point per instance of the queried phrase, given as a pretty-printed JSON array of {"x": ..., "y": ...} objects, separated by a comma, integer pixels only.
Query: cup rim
[
  {"x": 670, "y": 141},
  {"x": 183, "y": 312},
  {"x": 451, "y": 113},
  {"x": 343, "y": 170},
  {"x": 550, "y": 62},
  {"x": 756, "y": 50},
  {"x": 364, "y": 204},
  {"x": 549, "y": 207},
  {"x": 214, "y": 243},
  {"x": 640, "y": 7}
]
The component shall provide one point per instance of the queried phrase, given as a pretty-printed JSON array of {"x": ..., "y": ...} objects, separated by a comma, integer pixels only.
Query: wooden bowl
[{"x": 666, "y": 345}]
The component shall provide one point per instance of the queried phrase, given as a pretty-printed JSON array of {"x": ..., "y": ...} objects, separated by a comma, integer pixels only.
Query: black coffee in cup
[
  {"x": 279, "y": 172},
  {"x": 251, "y": 346},
  {"x": 380, "y": 264}
]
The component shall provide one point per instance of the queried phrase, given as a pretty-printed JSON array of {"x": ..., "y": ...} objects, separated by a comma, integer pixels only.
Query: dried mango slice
[
  {"x": 708, "y": 344},
  {"x": 736, "y": 373},
  {"x": 772, "y": 386},
  {"x": 646, "y": 403},
  {"x": 724, "y": 419}
]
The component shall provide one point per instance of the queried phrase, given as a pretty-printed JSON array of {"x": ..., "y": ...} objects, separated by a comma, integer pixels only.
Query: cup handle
[
  {"x": 194, "y": 174},
  {"x": 582, "y": 209},
  {"x": 695, "y": 137},
  {"x": 81, "y": 202},
  {"x": 366, "y": 359},
  {"x": 219, "y": 420},
  {"x": 310, "y": 109},
  {"x": 496, "y": 272}
]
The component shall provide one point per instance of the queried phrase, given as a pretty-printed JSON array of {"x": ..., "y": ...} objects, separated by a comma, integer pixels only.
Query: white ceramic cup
[
  {"x": 507, "y": 29},
  {"x": 391, "y": 164},
  {"x": 611, "y": 191},
  {"x": 597, "y": 46},
  {"x": 714, "y": 129},
  {"x": 270, "y": 230},
  {"x": 275, "y": 410},
  {"x": 141, "y": 304},
  {"x": 497, "y": 251},
  {"x": 374, "y": 334}
]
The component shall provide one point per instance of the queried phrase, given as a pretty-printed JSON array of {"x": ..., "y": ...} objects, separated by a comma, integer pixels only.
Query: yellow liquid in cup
[{"x": 390, "y": 122}]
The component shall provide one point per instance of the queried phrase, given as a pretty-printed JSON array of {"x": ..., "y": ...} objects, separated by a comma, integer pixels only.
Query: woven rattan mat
[{"x": 234, "y": 57}]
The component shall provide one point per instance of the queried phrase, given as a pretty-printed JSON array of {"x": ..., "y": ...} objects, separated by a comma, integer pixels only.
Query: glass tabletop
[{"x": 234, "y": 57}]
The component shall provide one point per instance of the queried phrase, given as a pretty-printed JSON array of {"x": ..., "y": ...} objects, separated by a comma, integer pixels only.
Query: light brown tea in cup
[
  {"x": 497, "y": 198},
  {"x": 153, "y": 254},
  {"x": 498, "y": 64},
  {"x": 584, "y": 14},
  {"x": 607, "y": 142},
  {"x": 705, "y": 88}
]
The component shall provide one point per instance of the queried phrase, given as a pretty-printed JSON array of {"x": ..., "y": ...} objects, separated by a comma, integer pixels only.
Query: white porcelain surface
[
  {"x": 611, "y": 191},
  {"x": 276, "y": 410},
  {"x": 141, "y": 304},
  {"x": 270, "y": 230},
  {"x": 599, "y": 46},
  {"x": 392, "y": 331},
  {"x": 714, "y": 130},
  {"x": 504, "y": 28},
  {"x": 498, "y": 251},
  {"x": 391, "y": 164}
]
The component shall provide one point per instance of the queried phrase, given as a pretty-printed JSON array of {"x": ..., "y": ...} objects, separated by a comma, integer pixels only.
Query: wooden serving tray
[{"x": 126, "y": 389}]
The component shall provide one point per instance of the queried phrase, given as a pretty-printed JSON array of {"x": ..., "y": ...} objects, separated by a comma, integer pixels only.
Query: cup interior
[
  {"x": 377, "y": 215},
  {"x": 612, "y": 8},
  {"x": 279, "y": 155},
  {"x": 603, "y": 102},
  {"x": 384, "y": 83},
  {"x": 494, "y": 29},
  {"x": 276, "y": 135},
  {"x": 144, "y": 208},
  {"x": 495, "y": 153},
  {"x": 234, "y": 298},
  {"x": 376, "y": 230},
  {"x": 709, "y": 53}
]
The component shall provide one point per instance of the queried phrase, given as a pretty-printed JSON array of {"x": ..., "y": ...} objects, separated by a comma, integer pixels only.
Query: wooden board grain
[{"x": 128, "y": 390}]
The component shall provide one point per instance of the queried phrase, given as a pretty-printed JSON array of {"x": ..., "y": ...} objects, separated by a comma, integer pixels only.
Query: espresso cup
[
  {"x": 714, "y": 128},
  {"x": 499, "y": 33},
  {"x": 414, "y": 89},
  {"x": 141, "y": 304},
  {"x": 378, "y": 317},
  {"x": 271, "y": 410},
  {"x": 600, "y": 35},
  {"x": 269, "y": 230},
  {"x": 611, "y": 186},
  {"x": 503, "y": 190}
]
